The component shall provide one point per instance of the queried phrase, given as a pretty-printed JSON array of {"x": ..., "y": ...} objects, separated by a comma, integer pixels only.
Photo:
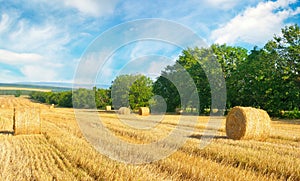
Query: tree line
[
  {"x": 267, "y": 78},
  {"x": 84, "y": 98}
]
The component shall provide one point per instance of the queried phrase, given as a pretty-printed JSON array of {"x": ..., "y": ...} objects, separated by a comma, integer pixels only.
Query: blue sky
[{"x": 44, "y": 40}]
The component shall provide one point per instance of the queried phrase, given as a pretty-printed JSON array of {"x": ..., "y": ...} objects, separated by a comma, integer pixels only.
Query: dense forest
[{"x": 267, "y": 78}]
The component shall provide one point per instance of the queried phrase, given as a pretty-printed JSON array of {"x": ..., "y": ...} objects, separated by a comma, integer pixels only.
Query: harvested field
[
  {"x": 25, "y": 89},
  {"x": 62, "y": 153}
]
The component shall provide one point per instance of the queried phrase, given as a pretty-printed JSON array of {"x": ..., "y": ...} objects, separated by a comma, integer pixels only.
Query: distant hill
[
  {"x": 63, "y": 85},
  {"x": 12, "y": 88}
]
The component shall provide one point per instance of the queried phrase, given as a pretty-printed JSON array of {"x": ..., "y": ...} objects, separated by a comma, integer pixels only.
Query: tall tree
[
  {"x": 200, "y": 63},
  {"x": 230, "y": 58},
  {"x": 131, "y": 91},
  {"x": 102, "y": 97},
  {"x": 269, "y": 77}
]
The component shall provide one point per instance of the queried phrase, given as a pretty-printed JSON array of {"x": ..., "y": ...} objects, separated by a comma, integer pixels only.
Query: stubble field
[{"x": 61, "y": 152}]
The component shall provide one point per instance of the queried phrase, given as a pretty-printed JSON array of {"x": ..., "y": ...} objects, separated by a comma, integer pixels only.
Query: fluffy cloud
[
  {"x": 34, "y": 67},
  {"x": 13, "y": 58},
  {"x": 222, "y": 4},
  {"x": 255, "y": 25},
  {"x": 38, "y": 73},
  {"x": 93, "y": 7},
  {"x": 4, "y": 22},
  {"x": 30, "y": 48},
  {"x": 156, "y": 67},
  {"x": 45, "y": 38}
]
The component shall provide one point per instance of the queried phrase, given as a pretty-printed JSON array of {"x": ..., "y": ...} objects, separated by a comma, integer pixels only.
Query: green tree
[
  {"x": 140, "y": 92},
  {"x": 65, "y": 99},
  {"x": 269, "y": 77},
  {"x": 165, "y": 88},
  {"x": 187, "y": 61},
  {"x": 84, "y": 98},
  {"x": 230, "y": 58},
  {"x": 102, "y": 97},
  {"x": 198, "y": 62},
  {"x": 287, "y": 49},
  {"x": 18, "y": 93},
  {"x": 131, "y": 91}
]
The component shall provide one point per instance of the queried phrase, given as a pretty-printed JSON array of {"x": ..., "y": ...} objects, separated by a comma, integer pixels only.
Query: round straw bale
[
  {"x": 214, "y": 110},
  {"x": 144, "y": 111},
  {"x": 124, "y": 110},
  {"x": 26, "y": 121},
  {"x": 108, "y": 108},
  {"x": 178, "y": 110},
  {"x": 247, "y": 123}
]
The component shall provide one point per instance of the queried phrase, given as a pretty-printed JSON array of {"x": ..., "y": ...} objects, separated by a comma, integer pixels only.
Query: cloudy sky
[{"x": 46, "y": 40}]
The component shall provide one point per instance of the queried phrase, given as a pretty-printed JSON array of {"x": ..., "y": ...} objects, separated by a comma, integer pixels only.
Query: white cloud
[
  {"x": 38, "y": 73},
  {"x": 93, "y": 7},
  {"x": 144, "y": 48},
  {"x": 90, "y": 65},
  {"x": 222, "y": 4},
  {"x": 154, "y": 56},
  {"x": 156, "y": 67},
  {"x": 255, "y": 25},
  {"x": 13, "y": 58},
  {"x": 34, "y": 67},
  {"x": 34, "y": 49},
  {"x": 4, "y": 22},
  {"x": 297, "y": 11},
  {"x": 45, "y": 38}
]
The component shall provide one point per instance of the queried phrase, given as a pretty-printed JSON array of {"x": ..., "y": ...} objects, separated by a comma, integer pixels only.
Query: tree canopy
[
  {"x": 131, "y": 91},
  {"x": 267, "y": 78}
]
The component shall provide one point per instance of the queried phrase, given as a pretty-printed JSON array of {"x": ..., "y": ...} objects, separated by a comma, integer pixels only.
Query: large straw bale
[
  {"x": 247, "y": 123},
  {"x": 6, "y": 120},
  {"x": 124, "y": 110},
  {"x": 144, "y": 111},
  {"x": 27, "y": 121}
]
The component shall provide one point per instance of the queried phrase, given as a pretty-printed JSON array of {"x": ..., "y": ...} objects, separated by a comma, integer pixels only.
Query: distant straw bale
[
  {"x": 178, "y": 111},
  {"x": 247, "y": 123},
  {"x": 27, "y": 121},
  {"x": 124, "y": 110},
  {"x": 144, "y": 111},
  {"x": 108, "y": 108}
]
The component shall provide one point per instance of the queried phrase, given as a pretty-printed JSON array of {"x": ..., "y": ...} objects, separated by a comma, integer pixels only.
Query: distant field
[
  {"x": 62, "y": 153},
  {"x": 25, "y": 89}
]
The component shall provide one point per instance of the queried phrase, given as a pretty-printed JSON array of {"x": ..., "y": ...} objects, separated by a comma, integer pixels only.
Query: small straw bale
[
  {"x": 214, "y": 110},
  {"x": 108, "y": 108},
  {"x": 178, "y": 111},
  {"x": 27, "y": 121},
  {"x": 144, "y": 111},
  {"x": 247, "y": 123},
  {"x": 124, "y": 110}
]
